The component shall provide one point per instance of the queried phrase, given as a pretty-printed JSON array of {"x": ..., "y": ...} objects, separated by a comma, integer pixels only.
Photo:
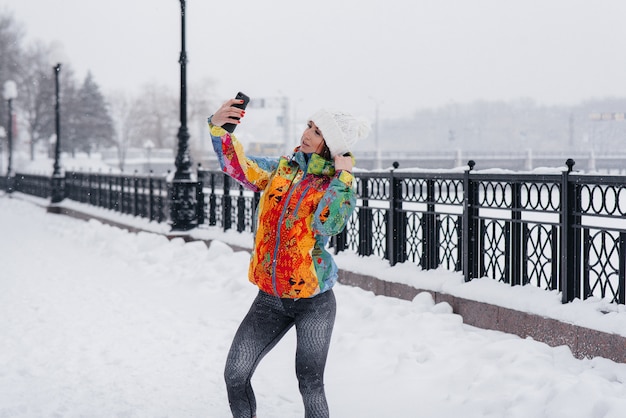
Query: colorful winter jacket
[{"x": 304, "y": 202}]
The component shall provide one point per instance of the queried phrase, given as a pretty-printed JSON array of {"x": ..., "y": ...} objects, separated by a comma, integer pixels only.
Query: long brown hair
[{"x": 325, "y": 153}]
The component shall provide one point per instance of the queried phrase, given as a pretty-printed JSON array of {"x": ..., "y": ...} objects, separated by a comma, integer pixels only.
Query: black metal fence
[
  {"x": 142, "y": 196},
  {"x": 563, "y": 231}
]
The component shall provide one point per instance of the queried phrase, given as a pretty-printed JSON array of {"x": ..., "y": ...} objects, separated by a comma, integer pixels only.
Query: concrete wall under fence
[{"x": 584, "y": 342}]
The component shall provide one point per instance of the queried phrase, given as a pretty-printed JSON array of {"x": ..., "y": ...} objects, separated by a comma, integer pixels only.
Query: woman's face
[{"x": 312, "y": 140}]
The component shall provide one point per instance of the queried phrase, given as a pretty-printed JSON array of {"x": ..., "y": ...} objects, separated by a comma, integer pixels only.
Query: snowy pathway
[{"x": 98, "y": 322}]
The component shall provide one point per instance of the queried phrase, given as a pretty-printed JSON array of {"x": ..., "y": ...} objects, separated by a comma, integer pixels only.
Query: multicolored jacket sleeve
[
  {"x": 252, "y": 172},
  {"x": 336, "y": 206}
]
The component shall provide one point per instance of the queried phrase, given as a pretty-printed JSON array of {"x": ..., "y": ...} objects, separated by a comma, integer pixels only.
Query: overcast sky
[{"x": 348, "y": 54}]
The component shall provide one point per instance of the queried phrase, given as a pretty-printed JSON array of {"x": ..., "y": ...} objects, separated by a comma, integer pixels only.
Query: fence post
[
  {"x": 212, "y": 202},
  {"x": 100, "y": 178},
  {"x": 470, "y": 226},
  {"x": 226, "y": 204},
  {"x": 121, "y": 194},
  {"x": 200, "y": 204},
  {"x": 163, "y": 188},
  {"x": 396, "y": 224},
  {"x": 108, "y": 190},
  {"x": 90, "y": 183},
  {"x": 622, "y": 268},
  {"x": 103, "y": 190},
  {"x": 151, "y": 197},
  {"x": 340, "y": 241},
  {"x": 390, "y": 253},
  {"x": 255, "y": 207},
  {"x": 136, "y": 194},
  {"x": 200, "y": 208},
  {"x": 516, "y": 235},
  {"x": 429, "y": 229},
  {"x": 570, "y": 244},
  {"x": 365, "y": 221},
  {"x": 241, "y": 211}
]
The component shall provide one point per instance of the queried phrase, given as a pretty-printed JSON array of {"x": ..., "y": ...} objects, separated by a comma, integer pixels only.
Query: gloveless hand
[
  {"x": 343, "y": 163},
  {"x": 227, "y": 112}
]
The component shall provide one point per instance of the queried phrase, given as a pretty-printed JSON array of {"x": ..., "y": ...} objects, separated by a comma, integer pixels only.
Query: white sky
[{"x": 348, "y": 54}]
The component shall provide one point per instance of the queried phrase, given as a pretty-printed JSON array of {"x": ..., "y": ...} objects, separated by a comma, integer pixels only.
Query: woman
[{"x": 307, "y": 197}]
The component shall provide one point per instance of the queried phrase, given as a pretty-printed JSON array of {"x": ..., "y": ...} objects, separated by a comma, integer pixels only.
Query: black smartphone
[{"x": 230, "y": 127}]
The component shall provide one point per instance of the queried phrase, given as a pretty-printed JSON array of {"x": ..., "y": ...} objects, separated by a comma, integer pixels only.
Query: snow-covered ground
[{"x": 99, "y": 322}]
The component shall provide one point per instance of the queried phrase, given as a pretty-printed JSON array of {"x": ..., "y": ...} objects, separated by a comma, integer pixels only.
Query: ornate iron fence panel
[
  {"x": 541, "y": 257},
  {"x": 600, "y": 215},
  {"x": 367, "y": 229},
  {"x": 518, "y": 229},
  {"x": 411, "y": 217}
]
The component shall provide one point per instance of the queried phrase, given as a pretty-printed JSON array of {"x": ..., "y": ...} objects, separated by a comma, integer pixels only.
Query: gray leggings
[{"x": 268, "y": 320}]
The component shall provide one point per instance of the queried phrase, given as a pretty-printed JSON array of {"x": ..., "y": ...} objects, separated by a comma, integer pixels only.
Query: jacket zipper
[
  {"x": 280, "y": 222},
  {"x": 282, "y": 217}
]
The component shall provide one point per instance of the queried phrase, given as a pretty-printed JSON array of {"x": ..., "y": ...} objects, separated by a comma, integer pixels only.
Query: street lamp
[
  {"x": 58, "y": 181},
  {"x": 10, "y": 93},
  {"x": 183, "y": 198}
]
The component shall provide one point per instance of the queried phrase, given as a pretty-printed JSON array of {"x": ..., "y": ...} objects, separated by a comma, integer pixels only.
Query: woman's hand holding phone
[{"x": 229, "y": 114}]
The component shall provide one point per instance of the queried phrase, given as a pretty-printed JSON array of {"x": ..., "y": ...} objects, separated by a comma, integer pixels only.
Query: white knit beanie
[{"x": 340, "y": 130}]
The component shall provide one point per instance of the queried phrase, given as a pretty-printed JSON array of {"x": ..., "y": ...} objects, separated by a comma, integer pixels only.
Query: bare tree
[
  {"x": 156, "y": 112},
  {"x": 11, "y": 35},
  {"x": 37, "y": 95},
  {"x": 125, "y": 113},
  {"x": 200, "y": 103}
]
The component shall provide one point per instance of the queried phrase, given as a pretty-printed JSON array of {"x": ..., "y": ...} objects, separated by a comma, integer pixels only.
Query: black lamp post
[
  {"x": 10, "y": 93},
  {"x": 183, "y": 198},
  {"x": 58, "y": 181}
]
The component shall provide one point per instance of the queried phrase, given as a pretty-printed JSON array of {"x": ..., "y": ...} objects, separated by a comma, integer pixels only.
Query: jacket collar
[{"x": 313, "y": 165}]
